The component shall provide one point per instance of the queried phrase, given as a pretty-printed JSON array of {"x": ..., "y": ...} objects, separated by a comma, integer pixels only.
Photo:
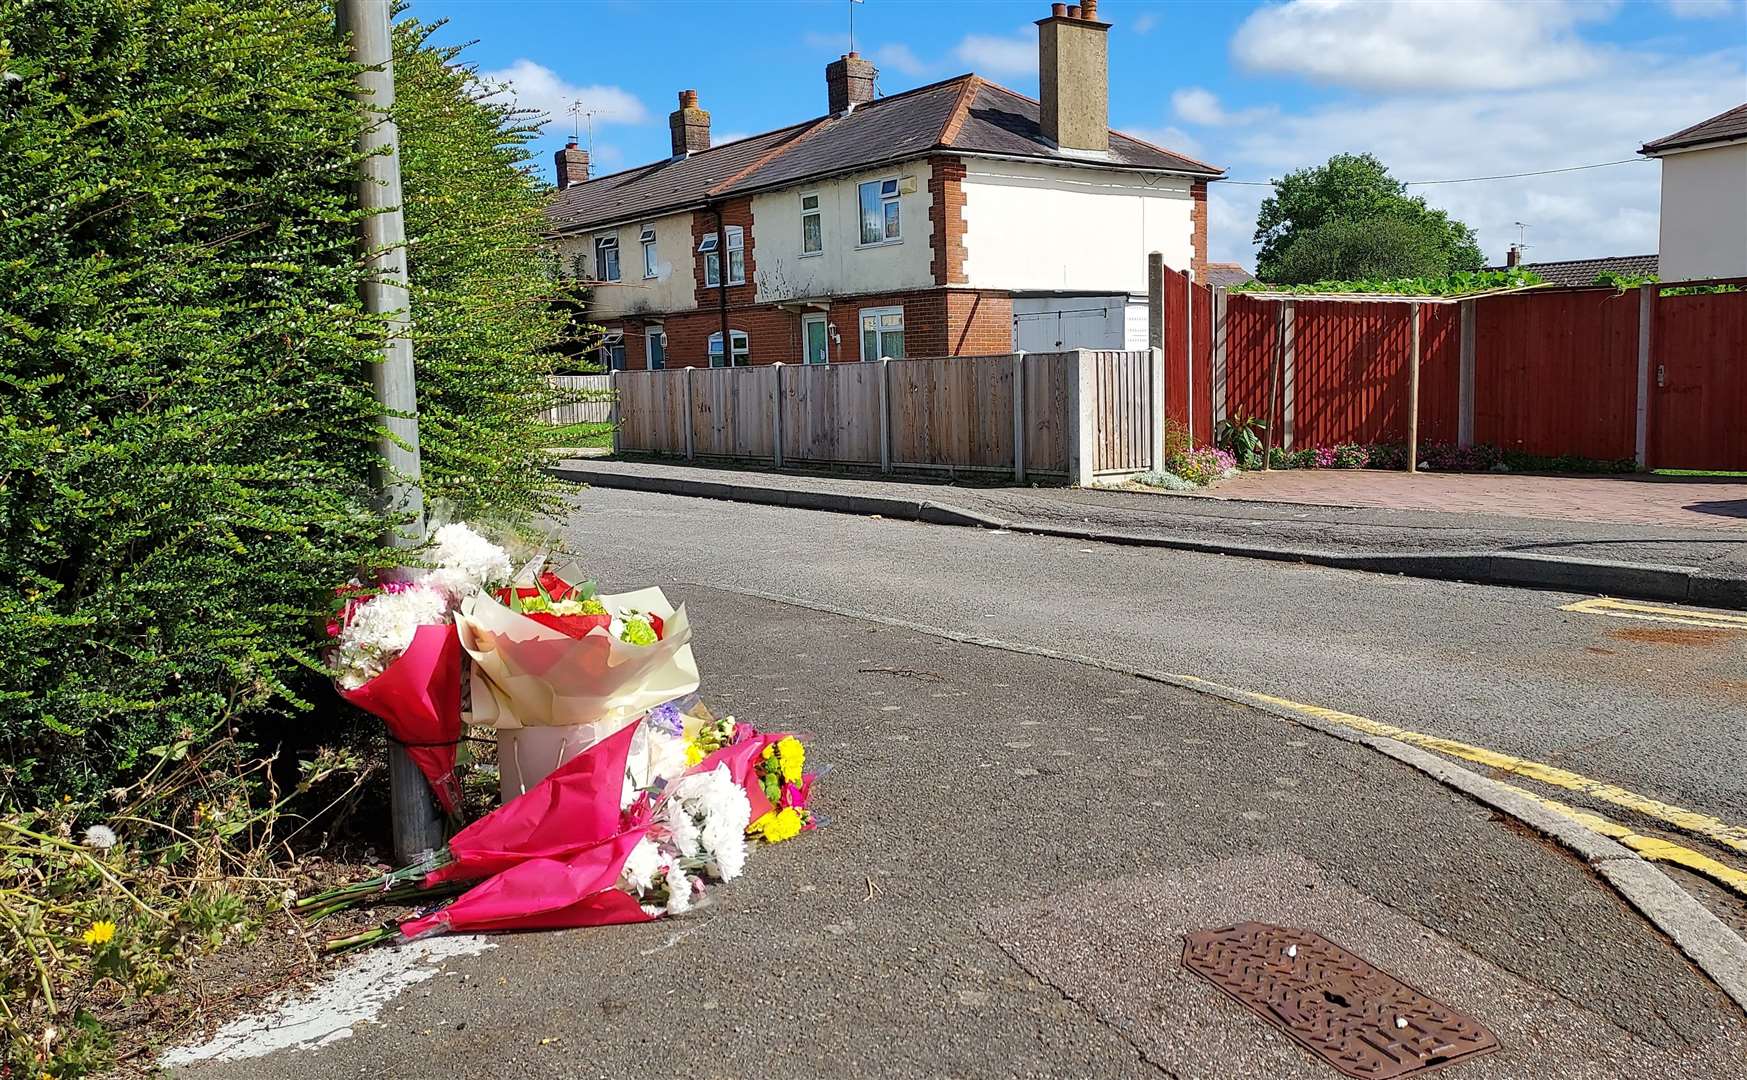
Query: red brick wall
[
  {"x": 978, "y": 323},
  {"x": 1198, "y": 216},
  {"x": 946, "y": 214},
  {"x": 734, "y": 212}
]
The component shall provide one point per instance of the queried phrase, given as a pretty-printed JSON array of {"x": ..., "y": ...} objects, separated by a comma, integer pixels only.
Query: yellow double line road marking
[
  {"x": 1622, "y": 609},
  {"x": 1690, "y": 821}
]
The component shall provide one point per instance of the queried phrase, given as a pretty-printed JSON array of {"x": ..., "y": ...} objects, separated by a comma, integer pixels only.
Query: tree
[
  {"x": 1353, "y": 187},
  {"x": 1349, "y": 250}
]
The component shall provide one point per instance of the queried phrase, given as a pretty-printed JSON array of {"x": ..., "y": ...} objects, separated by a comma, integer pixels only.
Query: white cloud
[
  {"x": 1170, "y": 137},
  {"x": 835, "y": 44},
  {"x": 1143, "y": 23},
  {"x": 729, "y": 136},
  {"x": 1701, "y": 9},
  {"x": 1404, "y": 45},
  {"x": 1200, "y": 106},
  {"x": 1014, "y": 54},
  {"x": 901, "y": 59},
  {"x": 537, "y": 87},
  {"x": 1597, "y": 212}
]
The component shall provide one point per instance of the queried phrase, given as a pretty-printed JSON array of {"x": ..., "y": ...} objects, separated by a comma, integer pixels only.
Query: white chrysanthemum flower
[
  {"x": 715, "y": 809},
  {"x": 466, "y": 562},
  {"x": 642, "y": 865},
  {"x": 679, "y": 891},
  {"x": 380, "y": 630},
  {"x": 101, "y": 837}
]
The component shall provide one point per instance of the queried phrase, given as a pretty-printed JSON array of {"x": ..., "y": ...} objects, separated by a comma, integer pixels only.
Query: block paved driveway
[{"x": 1629, "y": 500}]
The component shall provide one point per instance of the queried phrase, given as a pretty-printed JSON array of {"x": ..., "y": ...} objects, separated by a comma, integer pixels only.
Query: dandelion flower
[
  {"x": 101, "y": 933},
  {"x": 101, "y": 837}
]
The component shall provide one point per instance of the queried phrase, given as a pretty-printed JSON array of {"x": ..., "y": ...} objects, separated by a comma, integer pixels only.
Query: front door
[
  {"x": 655, "y": 348},
  {"x": 818, "y": 339}
]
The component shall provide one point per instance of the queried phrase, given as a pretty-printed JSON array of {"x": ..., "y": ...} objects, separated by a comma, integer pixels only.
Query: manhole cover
[{"x": 1363, "y": 1021}]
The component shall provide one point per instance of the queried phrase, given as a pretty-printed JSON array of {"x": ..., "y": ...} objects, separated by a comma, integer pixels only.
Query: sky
[{"x": 1438, "y": 90}]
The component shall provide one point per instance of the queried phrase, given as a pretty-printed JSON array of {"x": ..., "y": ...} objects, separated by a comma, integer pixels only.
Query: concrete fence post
[
  {"x": 687, "y": 419},
  {"x": 776, "y": 418},
  {"x": 1646, "y": 319},
  {"x": 1155, "y": 384},
  {"x": 1189, "y": 351},
  {"x": 1155, "y": 300},
  {"x": 1082, "y": 419},
  {"x": 1465, "y": 384},
  {"x": 613, "y": 415},
  {"x": 1019, "y": 417},
  {"x": 885, "y": 415},
  {"x": 1288, "y": 372},
  {"x": 1413, "y": 389},
  {"x": 1220, "y": 408}
]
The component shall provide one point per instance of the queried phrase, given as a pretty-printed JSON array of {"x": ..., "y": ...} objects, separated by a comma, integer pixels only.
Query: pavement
[
  {"x": 1016, "y": 843},
  {"x": 1685, "y": 563}
]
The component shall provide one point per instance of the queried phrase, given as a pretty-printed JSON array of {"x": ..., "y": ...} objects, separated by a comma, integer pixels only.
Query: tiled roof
[
  {"x": 1585, "y": 271},
  {"x": 1723, "y": 127},
  {"x": 965, "y": 115},
  {"x": 1225, "y": 274}
]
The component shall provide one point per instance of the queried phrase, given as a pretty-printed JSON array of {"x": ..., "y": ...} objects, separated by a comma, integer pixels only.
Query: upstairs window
[
  {"x": 879, "y": 211},
  {"x": 606, "y": 258},
  {"x": 651, "y": 267},
  {"x": 812, "y": 234},
  {"x": 742, "y": 348},
  {"x": 736, "y": 257}
]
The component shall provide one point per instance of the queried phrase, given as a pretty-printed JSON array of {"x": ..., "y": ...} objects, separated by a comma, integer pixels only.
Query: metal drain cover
[{"x": 1363, "y": 1021}]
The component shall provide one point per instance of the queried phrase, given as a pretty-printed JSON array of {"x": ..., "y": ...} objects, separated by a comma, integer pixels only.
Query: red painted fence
[{"x": 1554, "y": 372}]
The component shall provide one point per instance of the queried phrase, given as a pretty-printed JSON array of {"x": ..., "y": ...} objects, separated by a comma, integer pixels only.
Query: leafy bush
[
  {"x": 1241, "y": 435},
  {"x": 1167, "y": 480},
  {"x": 187, "y": 421},
  {"x": 1201, "y": 467},
  {"x": 1457, "y": 284},
  {"x": 1350, "y": 456},
  {"x": 1378, "y": 248},
  {"x": 1176, "y": 438}
]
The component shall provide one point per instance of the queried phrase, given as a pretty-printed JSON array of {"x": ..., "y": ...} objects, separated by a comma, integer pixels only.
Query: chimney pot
[
  {"x": 1089, "y": 10},
  {"x": 1073, "y": 11},
  {"x": 1058, "y": 11},
  {"x": 689, "y": 125},
  {"x": 572, "y": 165},
  {"x": 849, "y": 81}
]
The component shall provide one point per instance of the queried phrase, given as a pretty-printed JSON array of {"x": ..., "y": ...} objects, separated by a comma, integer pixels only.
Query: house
[
  {"x": 1224, "y": 275},
  {"x": 1704, "y": 198},
  {"x": 958, "y": 218},
  {"x": 1582, "y": 271}
]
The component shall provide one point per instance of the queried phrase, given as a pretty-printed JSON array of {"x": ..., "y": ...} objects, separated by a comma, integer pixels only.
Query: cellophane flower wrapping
[{"x": 418, "y": 697}]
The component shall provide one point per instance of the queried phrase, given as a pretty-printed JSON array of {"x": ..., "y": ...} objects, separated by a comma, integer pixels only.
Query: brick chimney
[
  {"x": 572, "y": 162},
  {"x": 1073, "y": 73},
  {"x": 1513, "y": 257},
  {"x": 849, "y": 81},
  {"x": 689, "y": 125}
]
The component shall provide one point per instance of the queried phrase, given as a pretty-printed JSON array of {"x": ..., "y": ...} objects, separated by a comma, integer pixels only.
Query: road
[{"x": 1017, "y": 844}]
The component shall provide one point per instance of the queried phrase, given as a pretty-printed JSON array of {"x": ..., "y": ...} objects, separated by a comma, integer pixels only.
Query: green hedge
[{"x": 184, "y": 398}]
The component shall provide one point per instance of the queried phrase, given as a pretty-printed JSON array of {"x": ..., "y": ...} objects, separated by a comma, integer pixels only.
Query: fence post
[
  {"x": 1155, "y": 300},
  {"x": 1219, "y": 387},
  {"x": 1288, "y": 373},
  {"x": 1082, "y": 420},
  {"x": 1646, "y": 316},
  {"x": 613, "y": 406},
  {"x": 1189, "y": 351},
  {"x": 1155, "y": 380},
  {"x": 776, "y": 421},
  {"x": 1413, "y": 391},
  {"x": 1465, "y": 385},
  {"x": 688, "y": 412},
  {"x": 1019, "y": 417},
  {"x": 885, "y": 415}
]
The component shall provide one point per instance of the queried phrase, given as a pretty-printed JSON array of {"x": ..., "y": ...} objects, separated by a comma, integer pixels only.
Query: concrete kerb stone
[
  {"x": 1629, "y": 580},
  {"x": 1705, "y": 940}
]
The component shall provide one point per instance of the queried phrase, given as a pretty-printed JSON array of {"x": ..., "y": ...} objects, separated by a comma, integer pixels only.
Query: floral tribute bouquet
[
  {"x": 395, "y": 655},
  {"x": 587, "y": 846}
]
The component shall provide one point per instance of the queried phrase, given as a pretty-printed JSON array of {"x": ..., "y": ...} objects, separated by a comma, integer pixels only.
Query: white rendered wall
[
  {"x": 672, "y": 289},
  {"x": 846, "y": 266},
  {"x": 1704, "y": 214},
  {"x": 1052, "y": 227}
]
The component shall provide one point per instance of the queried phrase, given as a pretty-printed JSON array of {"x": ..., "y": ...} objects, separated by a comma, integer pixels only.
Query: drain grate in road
[{"x": 1363, "y": 1021}]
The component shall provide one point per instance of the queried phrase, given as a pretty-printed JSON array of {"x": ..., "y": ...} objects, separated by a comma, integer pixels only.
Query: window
[
  {"x": 812, "y": 235},
  {"x": 742, "y": 348},
  {"x": 736, "y": 257},
  {"x": 651, "y": 268},
  {"x": 654, "y": 348},
  {"x": 606, "y": 258},
  {"x": 613, "y": 352},
  {"x": 882, "y": 333},
  {"x": 879, "y": 211}
]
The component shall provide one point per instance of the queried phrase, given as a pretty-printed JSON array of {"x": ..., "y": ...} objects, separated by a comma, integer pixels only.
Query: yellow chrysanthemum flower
[
  {"x": 777, "y": 826},
  {"x": 693, "y": 753},
  {"x": 101, "y": 933},
  {"x": 769, "y": 752},
  {"x": 793, "y": 757}
]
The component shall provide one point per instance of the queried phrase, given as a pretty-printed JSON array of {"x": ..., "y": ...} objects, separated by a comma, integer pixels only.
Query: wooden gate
[{"x": 1698, "y": 382}]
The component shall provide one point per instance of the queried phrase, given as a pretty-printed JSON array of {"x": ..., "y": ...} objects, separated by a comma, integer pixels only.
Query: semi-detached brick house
[{"x": 958, "y": 218}]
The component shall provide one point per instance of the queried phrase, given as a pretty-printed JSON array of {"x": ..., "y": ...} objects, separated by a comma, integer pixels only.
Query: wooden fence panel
[
  {"x": 734, "y": 412},
  {"x": 650, "y": 405},
  {"x": 1556, "y": 372},
  {"x": 952, "y": 412},
  {"x": 595, "y": 408},
  {"x": 1698, "y": 382},
  {"x": 1047, "y": 397},
  {"x": 831, "y": 413},
  {"x": 1251, "y": 338},
  {"x": 1123, "y": 411}
]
